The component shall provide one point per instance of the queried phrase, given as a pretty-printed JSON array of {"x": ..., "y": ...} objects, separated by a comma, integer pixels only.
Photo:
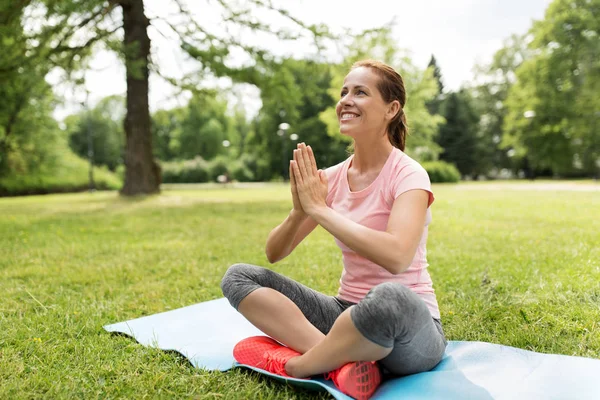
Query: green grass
[{"x": 521, "y": 268}]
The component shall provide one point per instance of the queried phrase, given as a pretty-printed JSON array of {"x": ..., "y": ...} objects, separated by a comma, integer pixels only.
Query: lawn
[{"x": 516, "y": 267}]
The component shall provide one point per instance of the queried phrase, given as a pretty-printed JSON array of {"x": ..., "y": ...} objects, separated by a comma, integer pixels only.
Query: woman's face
[{"x": 361, "y": 108}]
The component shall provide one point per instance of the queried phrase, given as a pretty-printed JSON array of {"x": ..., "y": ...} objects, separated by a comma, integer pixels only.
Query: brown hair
[{"x": 391, "y": 87}]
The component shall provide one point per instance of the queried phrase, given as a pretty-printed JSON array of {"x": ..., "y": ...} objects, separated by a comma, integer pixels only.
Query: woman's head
[{"x": 373, "y": 99}]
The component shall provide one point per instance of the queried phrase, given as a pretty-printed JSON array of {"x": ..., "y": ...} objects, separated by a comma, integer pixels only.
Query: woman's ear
[{"x": 393, "y": 110}]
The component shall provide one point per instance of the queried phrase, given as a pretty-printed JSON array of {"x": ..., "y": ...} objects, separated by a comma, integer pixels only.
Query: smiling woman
[
  {"x": 375, "y": 85},
  {"x": 376, "y": 206}
]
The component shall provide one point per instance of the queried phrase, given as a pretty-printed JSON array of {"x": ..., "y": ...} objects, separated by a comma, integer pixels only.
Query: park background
[{"x": 162, "y": 98}]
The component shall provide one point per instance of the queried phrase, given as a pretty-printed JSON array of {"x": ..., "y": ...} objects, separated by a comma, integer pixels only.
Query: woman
[{"x": 376, "y": 205}]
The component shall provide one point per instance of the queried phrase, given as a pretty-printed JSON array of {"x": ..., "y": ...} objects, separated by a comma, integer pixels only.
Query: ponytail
[{"x": 398, "y": 130}]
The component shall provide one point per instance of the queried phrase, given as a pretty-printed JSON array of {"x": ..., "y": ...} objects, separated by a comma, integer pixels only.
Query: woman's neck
[{"x": 371, "y": 156}]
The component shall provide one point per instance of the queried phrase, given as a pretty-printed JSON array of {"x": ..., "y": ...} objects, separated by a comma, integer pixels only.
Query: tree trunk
[{"x": 142, "y": 173}]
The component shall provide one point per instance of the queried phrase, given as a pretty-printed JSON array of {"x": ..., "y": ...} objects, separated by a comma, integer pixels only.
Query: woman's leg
[
  {"x": 405, "y": 324},
  {"x": 284, "y": 309},
  {"x": 391, "y": 324},
  {"x": 343, "y": 344}
]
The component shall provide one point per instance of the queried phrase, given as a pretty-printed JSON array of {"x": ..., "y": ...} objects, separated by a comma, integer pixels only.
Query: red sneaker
[
  {"x": 358, "y": 379},
  {"x": 264, "y": 353}
]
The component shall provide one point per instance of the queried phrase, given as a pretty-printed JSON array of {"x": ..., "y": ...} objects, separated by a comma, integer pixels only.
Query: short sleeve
[{"x": 412, "y": 177}]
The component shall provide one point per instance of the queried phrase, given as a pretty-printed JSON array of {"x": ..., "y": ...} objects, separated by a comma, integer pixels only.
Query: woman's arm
[
  {"x": 392, "y": 249},
  {"x": 284, "y": 238}
]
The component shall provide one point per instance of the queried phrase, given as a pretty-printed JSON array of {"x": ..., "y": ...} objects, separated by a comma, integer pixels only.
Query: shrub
[
  {"x": 69, "y": 174},
  {"x": 187, "y": 171},
  {"x": 259, "y": 167},
  {"x": 441, "y": 171},
  {"x": 241, "y": 173},
  {"x": 220, "y": 165}
]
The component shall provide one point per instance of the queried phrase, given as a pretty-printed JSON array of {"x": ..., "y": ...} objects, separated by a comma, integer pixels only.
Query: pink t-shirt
[{"x": 371, "y": 207}]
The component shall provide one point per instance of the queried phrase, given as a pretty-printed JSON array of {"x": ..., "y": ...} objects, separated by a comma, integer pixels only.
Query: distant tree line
[{"x": 533, "y": 111}]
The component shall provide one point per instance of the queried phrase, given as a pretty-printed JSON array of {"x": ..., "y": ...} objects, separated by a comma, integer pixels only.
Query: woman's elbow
[
  {"x": 398, "y": 264},
  {"x": 274, "y": 256},
  {"x": 398, "y": 268},
  {"x": 270, "y": 256}
]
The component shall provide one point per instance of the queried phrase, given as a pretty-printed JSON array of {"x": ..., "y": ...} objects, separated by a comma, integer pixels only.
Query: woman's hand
[
  {"x": 298, "y": 210},
  {"x": 310, "y": 183}
]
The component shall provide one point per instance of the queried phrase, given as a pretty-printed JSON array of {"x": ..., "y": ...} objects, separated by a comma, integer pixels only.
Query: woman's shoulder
[
  {"x": 334, "y": 171},
  {"x": 403, "y": 165}
]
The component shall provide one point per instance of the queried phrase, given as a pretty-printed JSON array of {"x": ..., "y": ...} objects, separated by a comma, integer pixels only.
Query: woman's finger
[
  {"x": 292, "y": 179},
  {"x": 301, "y": 163},
  {"x": 306, "y": 160},
  {"x": 311, "y": 156},
  {"x": 297, "y": 174}
]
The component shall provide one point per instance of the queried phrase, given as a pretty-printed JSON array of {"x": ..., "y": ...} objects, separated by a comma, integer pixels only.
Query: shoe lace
[
  {"x": 332, "y": 375},
  {"x": 275, "y": 364}
]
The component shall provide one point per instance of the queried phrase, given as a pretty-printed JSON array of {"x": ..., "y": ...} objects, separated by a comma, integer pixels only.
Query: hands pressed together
[{"x": 309, "y": 185}]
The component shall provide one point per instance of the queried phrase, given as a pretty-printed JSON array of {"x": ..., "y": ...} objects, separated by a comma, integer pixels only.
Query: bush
[
  {"x": 69, "y": 174},
  {"x": 247, "y": 168},
  {"x": 187, "y": 171},
  {"x": 241, "y": 173},
  {"x": 258, "y": 167},
  {"x": 220, "y": 165},
  {"x": 441, "y": 171}
]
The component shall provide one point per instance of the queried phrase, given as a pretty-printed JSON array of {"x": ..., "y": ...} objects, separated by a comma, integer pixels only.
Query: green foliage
[
  {"x": 489, "y": 98},
  {"x": 188, "y": 171},
  {"x": 204, "y": 128},
  {"x": 240, "y": 172},
  {"x": 441, "y": 172},
  {"x": 69, "y": 174},
  {"x": 246, "y": 168},
  {"x": 257, "y": 166},
  {"x": 433, "y": 105},
  {"x": 198, "y": 129},
  {"x": 29, "y": 137},
  {"x": 458, "y": 136},
  {"x": 219, "y": 166},
  {"x": 560, "y": 84},
  {"x": 105, "y": 125},
  {"x": 166, "y": 133}
]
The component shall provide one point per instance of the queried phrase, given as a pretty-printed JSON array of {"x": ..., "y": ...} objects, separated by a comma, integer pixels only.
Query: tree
[
  {"x": 104, "y": 124},
  {"x": 166, "y": 133},
  {"x": 240, "y": 131},
  {"x": 458, "y": 136},
  {"x": 489, "y": 94},
  {"x": 557, "y": 88},
  {"x": 204, "y": 127},
  {"x": 70, "y": 29},
  {"x": 29, "y": 136},
  {"x": 433, "y": 105}
]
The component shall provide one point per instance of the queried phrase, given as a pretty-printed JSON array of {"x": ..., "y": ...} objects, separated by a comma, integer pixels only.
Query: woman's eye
[
  {"x": 360, "y": 92},
  {"x": 343, "y": 94}
]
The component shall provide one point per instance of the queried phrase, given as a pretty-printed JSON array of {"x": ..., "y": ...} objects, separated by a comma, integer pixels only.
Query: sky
[{"x": 460, "y": 33}]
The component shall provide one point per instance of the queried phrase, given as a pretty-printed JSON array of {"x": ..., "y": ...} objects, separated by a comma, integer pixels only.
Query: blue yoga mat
[{"x": 205, "y": 334}]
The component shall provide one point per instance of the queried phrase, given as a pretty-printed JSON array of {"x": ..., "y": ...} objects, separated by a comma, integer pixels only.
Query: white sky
[{"x": 460, "y": 33}]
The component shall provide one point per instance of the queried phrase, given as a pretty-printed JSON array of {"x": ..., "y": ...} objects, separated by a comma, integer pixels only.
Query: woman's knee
[
  {"x": 393, "y": 297},
  {"x": 236, "y": 275},
  {"x": 389, "y": 311}
]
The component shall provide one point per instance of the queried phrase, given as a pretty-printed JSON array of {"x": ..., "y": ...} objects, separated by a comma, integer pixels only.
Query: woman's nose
[{"x": 346, "y": 100}]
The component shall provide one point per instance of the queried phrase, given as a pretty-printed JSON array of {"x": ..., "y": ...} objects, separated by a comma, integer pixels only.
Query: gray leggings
[{"x": 390, "y": 315}]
